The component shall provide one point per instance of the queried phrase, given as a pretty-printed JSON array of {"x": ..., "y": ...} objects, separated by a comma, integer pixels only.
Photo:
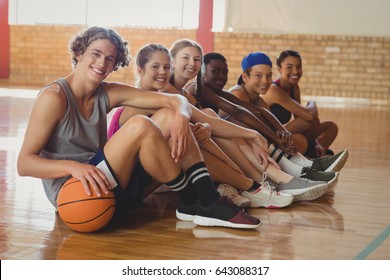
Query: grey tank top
[{"x": 76, "y": 138}]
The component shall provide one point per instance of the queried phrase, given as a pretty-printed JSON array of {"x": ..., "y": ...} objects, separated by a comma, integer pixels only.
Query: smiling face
[
  {"x": 187, "y": 63},
  {"x": 98, "y": 60},
  {"x": 155, "y": 74},
  {"x": 216, "y": 74},
  {"x": 259, "y": 79},
  {"x": 291, "y": 70}
]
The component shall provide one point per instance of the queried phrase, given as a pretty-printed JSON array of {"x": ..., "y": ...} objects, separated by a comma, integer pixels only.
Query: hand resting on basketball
[{"x": 90, "y": 173}]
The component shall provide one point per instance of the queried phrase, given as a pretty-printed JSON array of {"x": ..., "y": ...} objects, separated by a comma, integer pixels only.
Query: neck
[
  {"x": 180, "y": 82},
  {"x": 81, "y": 89},
  {"x": 285, "y": 85},
  {"x": 253, "y": 96}
]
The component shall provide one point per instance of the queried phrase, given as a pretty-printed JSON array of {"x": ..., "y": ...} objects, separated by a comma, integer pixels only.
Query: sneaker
[
  {"x": 304, "y": 189},
  {"x": 332, "y": 163},
  {"x": 266, "y": 196},
  {"x": 315, "y": 175},
  {"x": 186, "y": 212},
  {"x": 232, "y": 194},
  {"x": 224, "y": 214}
]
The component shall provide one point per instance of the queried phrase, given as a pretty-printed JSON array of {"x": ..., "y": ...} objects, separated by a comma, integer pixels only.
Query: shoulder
[
  {"x": 274, "y": 95},
  {"x": 191, "y": 87},
  {"x": 50, "y": 104},
  {"x": 240, "y": 93},
  {"x": 169, "y": 88},
  {"x": 53, "y": 95}
]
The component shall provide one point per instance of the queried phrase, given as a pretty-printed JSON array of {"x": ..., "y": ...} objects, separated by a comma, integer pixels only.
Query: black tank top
[{"x": 282, "y": 114}]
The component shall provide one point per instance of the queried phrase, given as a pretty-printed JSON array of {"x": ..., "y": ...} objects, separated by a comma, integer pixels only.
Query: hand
[
  {"x": 286, "y": 142},
  {"x": 88, "y": 173},
  {"x": 179, "y": 136},
  {"x": 202, "y": 132}
]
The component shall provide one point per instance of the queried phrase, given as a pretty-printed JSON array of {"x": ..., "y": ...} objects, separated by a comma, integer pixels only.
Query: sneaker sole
[
  {"x": 211, "y": 222},
  {"x": 258, "y": 204},
  {"x": 184, "y": 217},
  {"x": 312, "y": 193},
  {"x": 339, "y": 164},
  {"x": 335, "y": 177}
]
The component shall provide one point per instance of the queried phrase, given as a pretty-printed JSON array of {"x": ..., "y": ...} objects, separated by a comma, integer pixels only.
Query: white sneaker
[
  {"x": 266, "y": 196},
  {"x": 232, "y": 194}
]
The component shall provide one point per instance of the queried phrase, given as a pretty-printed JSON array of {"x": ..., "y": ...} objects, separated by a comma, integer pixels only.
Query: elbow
[
  {"x": 21, "y": 170},
  {"x": 21, "y": 167}
]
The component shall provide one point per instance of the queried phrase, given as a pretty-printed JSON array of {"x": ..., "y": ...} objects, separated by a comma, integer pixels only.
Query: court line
[{"x": 374, "y": 244}]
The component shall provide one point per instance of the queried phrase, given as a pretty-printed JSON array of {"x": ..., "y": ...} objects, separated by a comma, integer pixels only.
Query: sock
[
  {"x": 299, "y": 159},
  {"x": 181, "y": 185},
  {"x": 254, "y": 187},
  {"x": 199, "y": 177},
  {"x": 287, "y": 165}
]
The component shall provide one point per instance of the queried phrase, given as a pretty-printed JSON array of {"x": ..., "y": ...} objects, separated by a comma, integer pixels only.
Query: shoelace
[
  {"x": 229, "y": 191},
  {"x": 265, "y": 184},
  {"x": 307, "y": 173}
]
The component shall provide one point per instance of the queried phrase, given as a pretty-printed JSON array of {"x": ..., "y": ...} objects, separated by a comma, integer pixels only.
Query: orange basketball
[{"x": 82, "y": 212}]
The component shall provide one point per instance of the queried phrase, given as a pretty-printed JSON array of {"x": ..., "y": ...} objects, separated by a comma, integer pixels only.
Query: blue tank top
[{"x": 76, "y": 138}]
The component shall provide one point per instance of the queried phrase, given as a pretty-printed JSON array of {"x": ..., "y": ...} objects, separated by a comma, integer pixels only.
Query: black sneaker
[
  {"x": 186, "y": 212},
  {"x": 332, "y": 163},
  {"x": 224, "y": 214},
  {"x": 314, "y": 175}
]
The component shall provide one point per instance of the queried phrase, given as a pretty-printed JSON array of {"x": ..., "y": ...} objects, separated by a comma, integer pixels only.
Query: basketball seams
[
  {"x": 101, "y": 214},
  {"x": 87, "y": 199},
  {"x": 86, "y": 213}
]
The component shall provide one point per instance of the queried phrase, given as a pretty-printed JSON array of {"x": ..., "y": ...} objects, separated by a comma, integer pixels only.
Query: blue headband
[{"x": 253, "y": 59}]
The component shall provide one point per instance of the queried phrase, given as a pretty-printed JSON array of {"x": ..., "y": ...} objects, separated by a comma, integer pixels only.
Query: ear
[
  {"x": 279, "y": 69},
  {"x": 245, "y": 77},
  {"x": 140, "y": 71}
]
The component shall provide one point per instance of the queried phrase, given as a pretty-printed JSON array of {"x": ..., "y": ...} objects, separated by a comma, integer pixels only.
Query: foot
[
  {"x": 332, "y": 163},
  {"x": 266, "y": 196},
  {"x": 232, "y": 194},
  {"x": 186, "y": 212},
  {"x": 223, "y": 214},
  {"x": 315, "y": 175},
  {"x": 303, "y": 189}
]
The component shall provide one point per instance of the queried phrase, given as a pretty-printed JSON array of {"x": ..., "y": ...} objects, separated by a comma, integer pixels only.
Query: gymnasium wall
[{"x": 339, "y": 66}]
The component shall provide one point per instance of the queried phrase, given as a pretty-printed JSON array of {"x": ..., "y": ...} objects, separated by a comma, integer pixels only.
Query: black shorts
[{"x": 130, "y": 197}]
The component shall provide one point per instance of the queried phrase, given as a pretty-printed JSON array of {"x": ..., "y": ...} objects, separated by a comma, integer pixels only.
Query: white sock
[
  {"x": 299, "y": 159},
  {"x": 287, "y": 165}
]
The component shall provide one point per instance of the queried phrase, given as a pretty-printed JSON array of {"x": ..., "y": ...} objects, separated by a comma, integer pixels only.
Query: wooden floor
[{"x": 352, "y": 221}]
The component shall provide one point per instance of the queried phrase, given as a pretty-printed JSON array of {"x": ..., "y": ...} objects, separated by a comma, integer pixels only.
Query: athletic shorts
[{"x": 131, "y": 197}]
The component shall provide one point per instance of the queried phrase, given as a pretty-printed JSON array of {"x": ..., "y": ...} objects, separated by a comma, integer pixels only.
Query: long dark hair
[{"x": 284, "y": 54}]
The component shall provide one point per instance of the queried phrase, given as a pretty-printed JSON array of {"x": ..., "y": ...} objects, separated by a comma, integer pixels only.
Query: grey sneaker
[
  {"x": 314, "y": 175},
  {"x": 304, "y": 189},
  {"x": 332, "y": 163}
]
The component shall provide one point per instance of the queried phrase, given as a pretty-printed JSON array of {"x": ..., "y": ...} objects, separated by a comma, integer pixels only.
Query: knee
[
  {"x": 210, "y": 112},
  {"x": 140, "y": 125},
  {"x": 331, "y": 127}
]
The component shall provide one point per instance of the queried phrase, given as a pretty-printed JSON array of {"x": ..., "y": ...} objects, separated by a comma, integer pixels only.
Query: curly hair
[{"x": 83, "y": 39}]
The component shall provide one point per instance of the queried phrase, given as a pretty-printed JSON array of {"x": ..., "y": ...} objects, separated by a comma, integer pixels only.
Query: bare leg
[
  {"x": 219, "y": 170},
  {"x": 327, "y": 133},
  {"x": 140, "y": 138}
]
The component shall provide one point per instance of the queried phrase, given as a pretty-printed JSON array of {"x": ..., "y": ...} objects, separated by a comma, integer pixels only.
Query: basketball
[{"x": 81, "y": 212}]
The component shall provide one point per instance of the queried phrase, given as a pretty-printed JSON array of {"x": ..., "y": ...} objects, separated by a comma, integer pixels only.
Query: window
[{"x": 139, "y": 13}]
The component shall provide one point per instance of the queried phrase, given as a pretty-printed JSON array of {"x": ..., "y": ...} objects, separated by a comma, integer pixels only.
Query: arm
[
  {"x": 123, "y": 95},
  {"x": 225, "y": 129},
  {"x": 277, "y": 96},
  {"x": 47, "y": 111},
  {"x": 238, "y": 112}
]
